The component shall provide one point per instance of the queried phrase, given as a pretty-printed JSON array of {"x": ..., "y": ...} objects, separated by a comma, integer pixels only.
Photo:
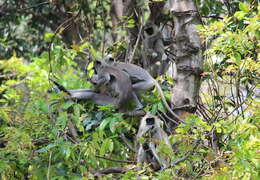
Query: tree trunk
[{"x": 189, "y": 62}]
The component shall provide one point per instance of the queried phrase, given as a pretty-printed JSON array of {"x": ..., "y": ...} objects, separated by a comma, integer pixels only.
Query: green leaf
[
  {"x": 91, "y": 72},
  {"x": 90, "y": 65},
  {"x": 107, "y": 146},
  {"x": 48, "y": 37},
  {"x": 238, "y": 58},
  {"x": 111, "y": 146},
  {"x": 5, "y": 116},
  {"x": 67, "y": 104},
  {"x": 240, "y": 15},
  {"x": 50, "y": 146},
  {"x": 104, "y": 123},
  {"x": 112, "y": 125},
  {"x": 65, "y": 150},
  {"x": 244, "y": 7}
]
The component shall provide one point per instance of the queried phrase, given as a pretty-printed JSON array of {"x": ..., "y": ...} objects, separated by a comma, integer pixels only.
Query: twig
[
  {"x": 170, "y": 119},
  {"x": 37, "y": 5},
  {"x": 136, "y": 43},
  {"x": 164, "y": 120},
  {"x": 122, "y": 135},
  {"x": 104, "y": 25},
  {"x": 40, "y": 141},
  {"x": 67, "y": 137},
  {"x": 20, "y": 10},
  {"x": 251, "y": 89},
  {"x": 184, "y": 157},
  {"x": 73, "y": 131},
  {"x": 212, "y": 16},
  {"x": 49, "y": 166},
  {"x": 56, "y": 32},
  {"x": 112, "y": 170},
  {"x": 134, "y": 113},
  {"x": 7, "y": 76},
  {"x": 115, "y": 160}
]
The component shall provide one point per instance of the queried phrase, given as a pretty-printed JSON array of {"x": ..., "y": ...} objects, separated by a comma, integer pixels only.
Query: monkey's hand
[
  {"x": 154, "y": 55},
  {"x": 151, "y": 52},
  {"x": 94, "y": 79},
  {"x": 98, "y": 81}
]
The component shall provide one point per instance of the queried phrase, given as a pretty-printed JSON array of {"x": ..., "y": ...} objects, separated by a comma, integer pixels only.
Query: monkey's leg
[
  {"x": 143, "y": 86},
  {"x": 97, "y": 98},
  {"x": 159, "y": 159},
  {"x": 141, "y": 155},
  {"x": 81, "y": 93},
  {"x": 137, "y": 102},
  {"x": 101, "y": 99}
]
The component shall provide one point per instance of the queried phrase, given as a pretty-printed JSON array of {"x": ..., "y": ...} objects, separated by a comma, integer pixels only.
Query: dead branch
[
  {"x": 122, "y": 135},
  {"x": 113, "y": 170},
  {"x": 115, "y": 160},
  {"x": 73, "y": 131}
]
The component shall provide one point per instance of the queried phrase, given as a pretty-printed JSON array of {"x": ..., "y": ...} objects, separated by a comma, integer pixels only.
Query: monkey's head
[
  {"x": 98, "y": 65},
  {"x": 103, "y": 79},
  {"x": 109, "y": 59},
  {"x": 150, "y": 29}
]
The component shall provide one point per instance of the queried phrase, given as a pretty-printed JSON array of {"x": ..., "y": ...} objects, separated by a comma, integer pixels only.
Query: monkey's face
[
  {"x": 94, "y": 79},
  {"x": 109, "y": 59},
  {"x": 149, "y": 30}
]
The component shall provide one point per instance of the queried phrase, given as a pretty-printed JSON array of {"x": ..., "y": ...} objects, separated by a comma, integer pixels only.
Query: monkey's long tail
[
  {"x": 166, "y": 104},
  {"x": 60, "y": 87}
]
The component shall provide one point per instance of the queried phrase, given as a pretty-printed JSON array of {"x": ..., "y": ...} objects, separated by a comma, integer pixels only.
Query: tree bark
[{"x": 189, "y": 62}]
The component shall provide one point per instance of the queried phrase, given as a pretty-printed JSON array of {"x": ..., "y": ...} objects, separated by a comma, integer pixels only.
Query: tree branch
[{"x": 115, "y": 160}]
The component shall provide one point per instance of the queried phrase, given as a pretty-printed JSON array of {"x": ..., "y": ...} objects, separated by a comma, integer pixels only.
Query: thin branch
[
  {"x": 184, "y": 157},
  {"x": 212, "y": 16},
  {"x": 37, "y": 5},
  {"x": 239, "y": 105},
  {"x": 136, "y": 43},
  {"x": 170, "y": 119},
  {"x": 40, "y": 141},
  {"x": 104, "y": 25},
  {"x": 134, "y": 113},
  {"x": 56, "y": 32},
  {"x": 122, "y": 135},
  {"x": 115, "y": 160},
  {"x": 7, "y": 76},
  {"x": 164, "y": 120},
  {"x": 21, "y": 10},
  {"x": 73, "y": 131},
  {"x": 112, "y": 170},
  {"x": 49, "y": 166}
]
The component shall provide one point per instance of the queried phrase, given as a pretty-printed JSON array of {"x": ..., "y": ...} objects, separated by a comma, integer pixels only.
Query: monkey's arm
[
  {"x": 143, "y": 86},
  {"x": 99, "y": 81},
  {"x": 101, "y": 99},
  {"x": 81, "y": 93},
  {"x": 159, "y": 48},
  {"x": 88, "y": 94}
]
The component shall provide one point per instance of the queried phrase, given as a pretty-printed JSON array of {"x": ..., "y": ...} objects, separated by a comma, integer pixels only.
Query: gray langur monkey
[
  {"x": 150, "y": 129},
  {"x": 153, "y": 42},
  {"x": 82, "y": 94},
  {"x": 156, "y": 61},
  {"x": 141, "y": 80},
  {"x": 116, "y": 84}
]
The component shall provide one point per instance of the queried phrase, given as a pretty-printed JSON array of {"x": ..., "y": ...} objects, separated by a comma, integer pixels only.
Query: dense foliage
[{"x": 220, "y": 141}]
